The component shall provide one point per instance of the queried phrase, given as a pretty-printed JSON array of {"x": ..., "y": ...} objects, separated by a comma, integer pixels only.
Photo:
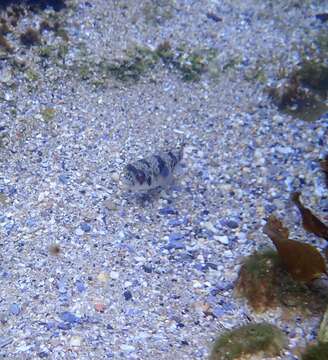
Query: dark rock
[
  {"x": 168, "y": 211},
  {"x": 43, "y": 355},
  {"x": 30, "y": 37},
  {"x": 147, "y": 269},
  {"x": 231, "y": 224},
  {"x": 213, "y": 17},
  {"x": 127, "y": 295},
  {"x": 323, "y": 17}
]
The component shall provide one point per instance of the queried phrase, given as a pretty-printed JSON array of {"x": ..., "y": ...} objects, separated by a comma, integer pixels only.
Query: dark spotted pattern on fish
[
  {"x": 162, "y": 167},
  {"x": 144, "y": 161},
  {"x": 173, "y": 159},
  {"x": 151, "y": 172},
  {"x": 139, "y": 174}
]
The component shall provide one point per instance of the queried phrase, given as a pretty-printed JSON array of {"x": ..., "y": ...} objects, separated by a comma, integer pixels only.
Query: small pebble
[
  {"x": 75, "y": 341},
  {"x": 43, "y": 355},
  {"x": 85, "y": 227},
  {"x": 127, "y": 295},
  {"x": 79, "y": 232},
  {"x": 5, "y": 341},
  {"x": 14, "y": 309},
  {"x": 80, "y": 286},
  {"x": 175, "y": 244},
  {"x": 147, "y": 269},
  {"x": 197, "y": 284},
  {"x": 99, "y": 307},
  {"x": 209, "y": 226},
  {"x": 232, "y": 224},
  {"x": 114, "y": 275},
  {"x": 168, "y": 211},
  {"x": 127, "y": 348},
  {"x": 63, "y": 179},
  {"x": 103, "y": 277},
  {"x": 223, "y": 239},
  {"x": 64, "y": 326},
  {"x": 175, "y": 237}
]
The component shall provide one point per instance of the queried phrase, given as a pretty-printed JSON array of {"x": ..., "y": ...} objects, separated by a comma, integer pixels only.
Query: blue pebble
[
  {"x": 218, "y": 311},
  {"x": 80, "y": 286},
  {"x": 175, "y": 244},
  {"x": 31, "y": 222},
  {"x": 127, "y": 295},
  {"x": 62, "y": 286},
  {"x": 43, "y": 355},
  {"x": 175, "y": 222},
  {"x": 63, "y": 179},
  {"x": 14, "y": 309},
  {"x": 12, "y": 191},
  {"x": 64, "y": 326},
  {"x": 69, "y": 317},
  {"x": 232, "y": 224},
  {"x": 85, "y": 227},
  {"x": 200, "y": 267},
  {"x": 175, "y": 237},
  {"x": 5, "y": 275},
  {"x": 168, "y": 211},
  {"x": 228, "y": 306},
  {"x": 50, "y": 325},
  {"x": 9, "y": 228},
  {"x": 215, "y": 291},
  {"x": 270, "y": 208},
  {"x": 208, "y": 233},
  {"x": 211, "y": 299}
]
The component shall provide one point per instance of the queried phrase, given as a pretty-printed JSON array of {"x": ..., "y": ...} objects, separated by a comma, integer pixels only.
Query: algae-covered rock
[
  {"x": 256, "y": 280},
  {"x": 304, "y": 92},
  {"x": 316, "y": 352},
  {"x": 261, "y": 339},
  {"x": 265, "y": 284}
]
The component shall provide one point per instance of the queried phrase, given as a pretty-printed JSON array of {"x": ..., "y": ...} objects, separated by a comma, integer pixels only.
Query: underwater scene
[{"x": 164, "y": 179}]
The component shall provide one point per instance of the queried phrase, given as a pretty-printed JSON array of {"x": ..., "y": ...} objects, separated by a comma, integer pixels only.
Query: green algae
[
  {"x": 136, "y": 62},
  {"x": 48, "y": 114},
  {"x": 251, "y": 339},
  {"x": 316, "y": 352}
]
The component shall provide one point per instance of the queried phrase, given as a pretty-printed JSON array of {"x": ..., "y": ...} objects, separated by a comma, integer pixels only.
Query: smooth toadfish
[{"x": 152, "y": 171}]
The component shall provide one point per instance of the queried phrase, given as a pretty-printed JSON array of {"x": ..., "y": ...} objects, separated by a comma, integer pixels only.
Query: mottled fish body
[{"x": 152, "y": 171}]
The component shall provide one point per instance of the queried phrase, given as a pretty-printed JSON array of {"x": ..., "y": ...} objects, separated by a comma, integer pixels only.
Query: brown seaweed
[
  {"x": 310, "y": 222},
  {"x": 303, "y": 261}
]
